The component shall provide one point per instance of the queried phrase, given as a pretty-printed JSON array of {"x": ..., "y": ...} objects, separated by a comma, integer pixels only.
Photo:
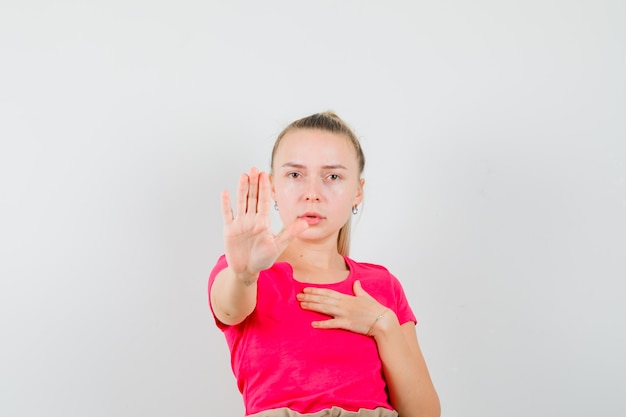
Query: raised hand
[
  {"x": 250, "y": 244},
  {"x": 359, "y": 313}
]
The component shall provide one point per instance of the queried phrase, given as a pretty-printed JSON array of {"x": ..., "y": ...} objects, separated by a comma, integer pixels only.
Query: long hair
[{"x": 329, "y": 122}]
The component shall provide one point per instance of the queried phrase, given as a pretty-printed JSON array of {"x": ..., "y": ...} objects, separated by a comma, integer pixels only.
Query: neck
[{"x": 303, "y": 255}]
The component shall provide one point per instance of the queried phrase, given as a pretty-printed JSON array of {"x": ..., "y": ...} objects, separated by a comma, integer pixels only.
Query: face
[{"x": 316, "y": 178}]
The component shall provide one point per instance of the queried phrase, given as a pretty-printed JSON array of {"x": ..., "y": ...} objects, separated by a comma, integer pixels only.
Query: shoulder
[
  {"x": 365, "y": 271},
  {"x": 366, "y": 267}
]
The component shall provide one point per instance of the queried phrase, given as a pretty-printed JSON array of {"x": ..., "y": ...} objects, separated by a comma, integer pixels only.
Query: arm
[
  {"x": 233, "y": 296},
  {"x": 411, "y": 391},
  {"x": 250, "y": 247},
  {"x": 410, "y": 388}
]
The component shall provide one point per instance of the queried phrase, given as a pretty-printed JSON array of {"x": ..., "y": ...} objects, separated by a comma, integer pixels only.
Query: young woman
[{"x": 312, "y": 332}]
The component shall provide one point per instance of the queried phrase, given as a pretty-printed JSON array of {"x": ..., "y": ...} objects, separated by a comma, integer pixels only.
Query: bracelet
[{"x": 380, "y": 316}]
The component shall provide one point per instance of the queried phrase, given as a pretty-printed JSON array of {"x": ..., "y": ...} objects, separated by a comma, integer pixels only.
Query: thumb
[
  {"x": 290, "y": 232},
  {"x": 359, "y": 291}
]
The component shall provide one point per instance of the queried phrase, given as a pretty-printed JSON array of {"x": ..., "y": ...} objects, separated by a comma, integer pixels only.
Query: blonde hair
[{"x": 328, "y": 121}]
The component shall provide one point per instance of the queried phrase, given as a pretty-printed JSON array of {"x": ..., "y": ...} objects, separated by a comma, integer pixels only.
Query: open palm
[{"x": 249, "y": 242}]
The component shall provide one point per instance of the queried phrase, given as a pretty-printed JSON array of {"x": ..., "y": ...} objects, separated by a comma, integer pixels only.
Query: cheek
[
  {"x": 340, "y": 195},
  {"x": 343, "y": 193}
]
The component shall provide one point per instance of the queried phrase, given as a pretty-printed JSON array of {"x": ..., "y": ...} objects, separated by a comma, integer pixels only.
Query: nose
[{"x": 312, "y": 191}]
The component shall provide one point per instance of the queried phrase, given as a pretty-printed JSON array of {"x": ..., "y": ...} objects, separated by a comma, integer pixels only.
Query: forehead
[{"x": 315, "y": 146}]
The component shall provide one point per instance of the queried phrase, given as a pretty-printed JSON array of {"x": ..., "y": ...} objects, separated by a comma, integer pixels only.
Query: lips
[{"x": 312, "y": 218}]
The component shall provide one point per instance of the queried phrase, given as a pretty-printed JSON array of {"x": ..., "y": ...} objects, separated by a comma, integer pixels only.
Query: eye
[
  {"x": 293, "y": 175},
  {"x": 333, "y": 177}
]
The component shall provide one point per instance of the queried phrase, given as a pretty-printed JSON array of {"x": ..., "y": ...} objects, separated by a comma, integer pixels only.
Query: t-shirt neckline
[{"x": 347, "y": 279}]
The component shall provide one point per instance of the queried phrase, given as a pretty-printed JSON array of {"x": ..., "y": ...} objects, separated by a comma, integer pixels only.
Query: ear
[{"x": 359, "y": 192}]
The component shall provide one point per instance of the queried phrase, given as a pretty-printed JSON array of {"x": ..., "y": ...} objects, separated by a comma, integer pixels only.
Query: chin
[{"x": 311, "y": 235}]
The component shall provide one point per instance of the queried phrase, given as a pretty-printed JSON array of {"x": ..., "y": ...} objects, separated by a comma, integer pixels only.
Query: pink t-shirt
[{"x": 280, "y": 360}]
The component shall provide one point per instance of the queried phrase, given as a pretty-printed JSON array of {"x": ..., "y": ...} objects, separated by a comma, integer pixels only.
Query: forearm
[
  {"x": 233, "y": 296},
  {"x": 410, "y": 388}
]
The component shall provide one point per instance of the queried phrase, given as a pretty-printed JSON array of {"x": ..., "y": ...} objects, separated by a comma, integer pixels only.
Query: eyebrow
[{"x": 300, "y": 166}]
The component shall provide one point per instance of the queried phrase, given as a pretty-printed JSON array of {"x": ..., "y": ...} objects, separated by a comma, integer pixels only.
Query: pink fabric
[
  {"x": 280, "y": 360},
  {"x": 332, "y": 412}
]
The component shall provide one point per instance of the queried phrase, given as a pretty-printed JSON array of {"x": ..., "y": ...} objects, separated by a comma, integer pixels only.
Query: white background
[{"x": 495, "y": 138}]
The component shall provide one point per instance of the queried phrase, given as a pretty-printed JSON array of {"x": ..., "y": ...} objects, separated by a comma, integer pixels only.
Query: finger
[
  {"x": 319, "y": 299},
  {"x": 322, "y": 292},
  {"x": 227, "y": 210},
  {"x": 253, "y": 190},
  {"x": 242, "y": 190},
  {"x": 327, "y": 324},
  {"x": 326, "y": 306},
  {"x": 264, "y": 194},
  {"x": 290, "y": 232}
]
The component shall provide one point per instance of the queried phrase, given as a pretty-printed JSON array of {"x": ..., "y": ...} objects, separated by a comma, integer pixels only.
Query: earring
[
  {"x": 355, "y": 209},
  {"x": 275, "y": 206}
]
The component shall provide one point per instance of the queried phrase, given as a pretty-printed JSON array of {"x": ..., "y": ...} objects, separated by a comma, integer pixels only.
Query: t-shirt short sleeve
[
  {"x": 402, "y": 308},
  {"x": 219, "y": 266}
]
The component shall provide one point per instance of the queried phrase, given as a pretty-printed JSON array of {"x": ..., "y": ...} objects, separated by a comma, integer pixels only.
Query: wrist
[
  {"x": 246, "y": 278},
  {"x": 386, "y": 322}
]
